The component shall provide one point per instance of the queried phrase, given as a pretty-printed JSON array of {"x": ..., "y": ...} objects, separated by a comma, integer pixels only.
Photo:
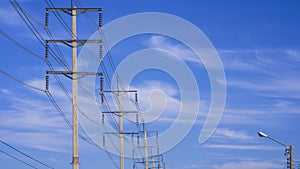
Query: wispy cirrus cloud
[
  {"x": 249, "y": 165},
  {"x": 253, "y": 68},
  {"x": 29, "y": 114},
  {"x": 266, "y": 72},
  {"x": 240, "y": 147},
  {"x": 238, "y": 163},
  {"x": 280, "y": 87},
  {"x": 232, "y": 134},
  {"x": 54, "y": 141},
  {"x": 157, "y": 93},
  {"x": 225, "y": 138},
  {"x": 9, "y": 17},
  {"x": 32, "y": 121},
  {"x": 177, "y": 49},
  {"x": 258, "y": 59}
]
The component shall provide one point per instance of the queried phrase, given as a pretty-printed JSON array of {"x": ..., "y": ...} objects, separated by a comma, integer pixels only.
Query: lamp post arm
[{"x": 277, "y": 141}]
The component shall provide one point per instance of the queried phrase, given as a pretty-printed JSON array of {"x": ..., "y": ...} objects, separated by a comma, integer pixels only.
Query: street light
[
  {"x": 287, "y": 150},
  {"x": 261, "y": 134}
]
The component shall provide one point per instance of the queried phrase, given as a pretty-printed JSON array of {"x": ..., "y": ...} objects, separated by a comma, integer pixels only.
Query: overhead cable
[{"x": 19, "y": 151}]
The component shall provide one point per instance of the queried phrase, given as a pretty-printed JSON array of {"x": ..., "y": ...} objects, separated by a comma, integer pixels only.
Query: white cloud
[
  {"x": 240, "y": 147},
  {"x": 5, "y": 91},
  {"x": 239, "y": 116},
  {"x": 258, "y": 59},
  {"x": 232, "y": 134},
  {"x": 158, "y": 97},
  {"x": 295, "y": 54},
  {"x": 10, "y": 17},
  {"x": 32, "y": 121},
  {"x": 249, "y": 165},
  {"x": 38, "y": 83},
  {"x": 283, "y": 104},
  {"x": 225, "y": 138},
  {"x": 268, "y": 73},
  {"x": 179, "y": 50},
  {"x": 55, "y": 141},
  {"x": 283, "y": 85},
  {"x": 192, "y": 166},
  {"x": 30, "y": 113},
  {"x": 208, "y": 56}
]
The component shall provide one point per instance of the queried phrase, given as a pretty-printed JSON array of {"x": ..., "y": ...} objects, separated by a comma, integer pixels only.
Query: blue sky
[{"x": 257, "y": 41}]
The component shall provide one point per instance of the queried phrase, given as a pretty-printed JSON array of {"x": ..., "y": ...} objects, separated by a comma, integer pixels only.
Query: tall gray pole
[
  {"x": 146, "y": 148},
  {"x": 74, "y": 92},
  {"x": 73, "y": 74},
  {"x": 120, "y": 126}
]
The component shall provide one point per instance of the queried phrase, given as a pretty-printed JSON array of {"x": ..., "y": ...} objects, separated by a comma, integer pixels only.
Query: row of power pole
[{"x": 155, "y": 159}]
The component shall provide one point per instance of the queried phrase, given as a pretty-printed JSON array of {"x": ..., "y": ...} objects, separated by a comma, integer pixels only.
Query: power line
[
  {"x": 59, "y": 17},
  {"x": 27, "y": 21},
  {"x": 61, "y": 113},
  {"x": 110, "y": 157},
  {"x": 16, "y": 5},
  {"x": 37, "y": 34},
  {"x": 17, "y": 159},
  {"x": 61, "y": 60},
  {"x": 36, "y": 55},
  {"x": 19, "y": 151},
  {"x": 26, "y": 18},
  {"x": 51, "y": 98},
  {"x": 19, "y": 45},
  {"x": 19, "y": 81}
]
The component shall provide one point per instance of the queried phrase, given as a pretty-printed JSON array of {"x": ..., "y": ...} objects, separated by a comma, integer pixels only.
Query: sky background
[{"x": 258, "y": 43}]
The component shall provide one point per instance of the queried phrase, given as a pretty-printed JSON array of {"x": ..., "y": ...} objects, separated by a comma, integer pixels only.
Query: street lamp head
[{"x": 261, "y": 134}]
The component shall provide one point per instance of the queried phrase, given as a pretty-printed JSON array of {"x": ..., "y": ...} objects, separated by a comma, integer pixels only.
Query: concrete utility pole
[
  {"x": 75, "y": 160},
  {"x": 120, "y": 126},
  {"x": 119, "y": 113},
  {"x": 73, "y": 43},
  {"x": 151, "y": 156},
  {"x": 146, "y": 148}
]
